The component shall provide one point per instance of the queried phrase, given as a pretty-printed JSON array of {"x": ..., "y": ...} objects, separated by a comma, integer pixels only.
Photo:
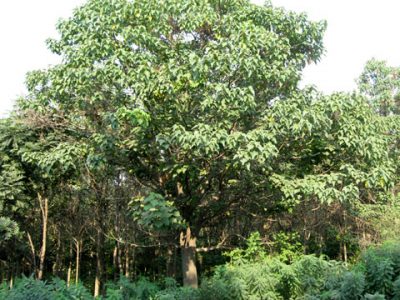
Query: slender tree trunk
[
  {"x": 115, "y": 262},
  {"x": 59, "y": 250},
  {"x": 44, "y": 207},
  {"x": 171, "y": 261},
  {"x": 188, "y": 249},
  {"x": 78, "y": 250},
  {"x": 100, "y": 265},
  {"x": 118, "y": 269},
  {"x": 119, "y": 260},
  {"x": 12, "y": 275},
  {"x": 69, "y": 264},
  {"x": 127, "y": 262},
  {"x": 97, "y": 281},
  {"x": 33, "y": 252}
]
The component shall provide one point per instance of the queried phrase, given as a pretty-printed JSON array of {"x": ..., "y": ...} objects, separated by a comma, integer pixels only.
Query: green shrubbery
[
  {"x": 251, "y": 274},
  {"x": 27, "y": 288}
]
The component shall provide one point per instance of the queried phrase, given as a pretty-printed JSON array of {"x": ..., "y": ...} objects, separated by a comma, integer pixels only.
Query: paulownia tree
[{"x": 179, "y": 93}]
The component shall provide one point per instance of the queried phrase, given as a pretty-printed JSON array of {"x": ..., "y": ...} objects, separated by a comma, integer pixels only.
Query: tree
[
  {"x": 380, "y": 83},
  {"x": 36, "y": 159},
  {"x": 179, "y": 94},
  {"x": 182, "y": 124}
]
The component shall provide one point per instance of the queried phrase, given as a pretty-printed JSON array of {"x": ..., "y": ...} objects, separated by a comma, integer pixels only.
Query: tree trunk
[
  {"x": 59, "y": 251},
  {"x": 188, "y": 250},
  {"x": 33, "y": 270},
  {"x": 115, "y": 264},
  {"x": 100, "y": 264},
  {"x": 171, "y": 261},
  {"x": 127, "y": 262},
  {"x": 69, "y": 265},
  {"x": 44, "y": 207},
  {"x": 78, "y": 248}
]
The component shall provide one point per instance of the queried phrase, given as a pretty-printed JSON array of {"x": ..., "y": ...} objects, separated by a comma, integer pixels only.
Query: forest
[{"x": 172, "y": 155}]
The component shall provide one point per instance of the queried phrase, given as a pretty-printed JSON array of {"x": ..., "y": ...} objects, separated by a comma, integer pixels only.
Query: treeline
[{"x": 170, "y": 132}]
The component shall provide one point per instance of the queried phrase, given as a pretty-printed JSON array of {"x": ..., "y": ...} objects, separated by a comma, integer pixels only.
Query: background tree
[{"x": 380, "y": 83}]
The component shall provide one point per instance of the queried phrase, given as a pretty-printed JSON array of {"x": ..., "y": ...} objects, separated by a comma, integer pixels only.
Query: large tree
[
  {"x": 180, "y": 93},
  {"x": 192, "y": 108}
]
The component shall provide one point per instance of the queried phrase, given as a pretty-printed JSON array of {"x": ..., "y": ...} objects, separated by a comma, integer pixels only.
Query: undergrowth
[{"x": 251, "y": 274}]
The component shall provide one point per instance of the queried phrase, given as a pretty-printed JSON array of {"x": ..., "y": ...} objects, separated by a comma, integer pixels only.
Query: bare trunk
[
  {"x": 69, "y": 265},
  {"x": 69, "y": 274},
  {"x": 96, "y": 286},
  {"x": 57, "y": 263},
  {"x": 32, "y": 252},
  {"x": 78, "y": 248},
  {"x": 189, "y": 269},
  {"x": 115, "y": 263},
  {"x": 119, "y": 260},
  {"x": 171, "y": 261},
  {"x": 11, "y": 282},
  {"x": 44, "y": 207},
  {"x": 99, "y": 280},
  {"x": 127, "y": 262}
]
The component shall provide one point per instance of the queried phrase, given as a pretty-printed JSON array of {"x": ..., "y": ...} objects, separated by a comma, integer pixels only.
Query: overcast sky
[{"x": 357, "y": 31}]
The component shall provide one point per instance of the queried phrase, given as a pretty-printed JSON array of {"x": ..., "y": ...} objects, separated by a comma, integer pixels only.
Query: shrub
[
  {"x": 142, "y": 289},
  {"x": 27, "y": 288},
  {"x": 352, "y": 286}
]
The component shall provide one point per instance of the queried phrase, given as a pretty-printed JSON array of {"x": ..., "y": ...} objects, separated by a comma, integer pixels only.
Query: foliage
[
  {"x": 374, "y": 276},
  {"x": 155, "y": 212},
  {"x": 142, "y": 289},
  {"x": 381, "y": 84},
  {"x": 254, "y": 250},
  {"x": 182, "y": 113},
  {"x": 288, "y": 246},
  {"x": 8, "y": 229},
  {"x": 28, "y": 288}
]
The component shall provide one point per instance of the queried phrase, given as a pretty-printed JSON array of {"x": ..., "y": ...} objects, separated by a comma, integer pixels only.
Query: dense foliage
[
  {"x": 173, "y": 129},
  {"x": 255, "y": 276}
]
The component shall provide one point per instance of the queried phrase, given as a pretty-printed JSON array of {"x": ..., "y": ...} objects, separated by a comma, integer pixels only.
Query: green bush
[
  {"x": 382, "y": 268},
  {"x": 142, "y": 289},
  {"x": 352, "y": 286},
  {"x": 27, "y": 288}
]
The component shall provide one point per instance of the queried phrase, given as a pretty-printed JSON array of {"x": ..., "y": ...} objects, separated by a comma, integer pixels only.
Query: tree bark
[
  {"x": 127, "y": 262},
  {"x": 69, "y": 265},
  {"x": 59, "y": 251},
  {"x": 78, "y": 250},
  {"x": 171, "y": 261},
  {"x": 44, "y": 208},
  {"x": 188, "y": 250},
  {"x": 100, "y": 255},
  {"x": 115, "y": 264},
  {"x": 33, "y": 252}
]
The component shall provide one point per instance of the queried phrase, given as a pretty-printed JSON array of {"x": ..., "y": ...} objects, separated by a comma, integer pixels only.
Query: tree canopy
[{"x": 181, "y": 124}]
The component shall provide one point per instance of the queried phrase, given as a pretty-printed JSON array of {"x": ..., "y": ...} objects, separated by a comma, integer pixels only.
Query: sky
[{"x": 357, "y": 31}]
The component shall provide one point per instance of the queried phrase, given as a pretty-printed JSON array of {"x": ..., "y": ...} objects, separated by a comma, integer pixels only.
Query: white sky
[{"x": 357, "y": 31}]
